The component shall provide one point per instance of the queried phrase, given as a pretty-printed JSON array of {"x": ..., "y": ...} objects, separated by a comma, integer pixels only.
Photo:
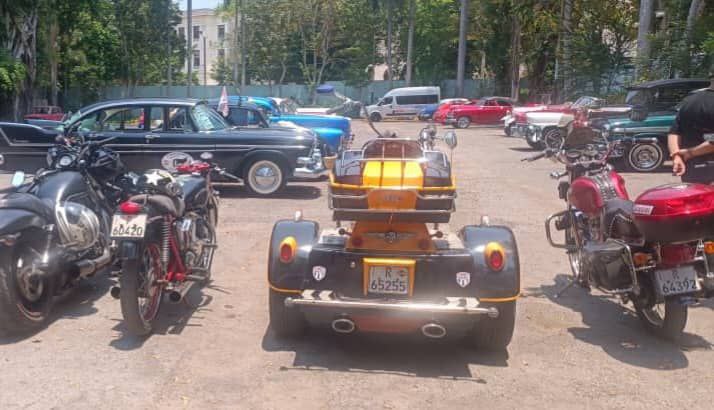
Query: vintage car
[
  {"x": 427, "y": 113},
  {"x": 45, "y": 112},
  {"x": 334, "y": 130},
  {"x": 329, "y": 101},
  {"x": 387, "y": 266},
  {"x": 534, "y": 124},
  {"x": 444, "y": 105},
  {"x": 488, "y": 110},
  {"x": 156, "y": 133}
]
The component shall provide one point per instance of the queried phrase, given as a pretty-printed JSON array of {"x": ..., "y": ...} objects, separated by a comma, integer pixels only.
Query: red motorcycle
[
  {"x": 165, "y": 234},
  {"x": 654, "y": 251}
]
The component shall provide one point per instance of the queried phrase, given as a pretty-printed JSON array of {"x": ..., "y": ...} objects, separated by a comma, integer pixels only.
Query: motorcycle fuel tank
[
  {"x": 676, "y": 213},
  {"x": 60, "y": 186},
  {"x": 589, "y": 193}
]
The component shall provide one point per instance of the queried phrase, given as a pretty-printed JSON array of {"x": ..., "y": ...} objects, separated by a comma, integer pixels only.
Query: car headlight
[{"x": 78, "y": 225}]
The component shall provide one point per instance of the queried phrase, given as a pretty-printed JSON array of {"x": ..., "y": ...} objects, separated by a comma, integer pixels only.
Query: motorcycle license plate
[
  {"x": 388, "y": 280},
  {"x": 677, "y": 281},
  {"x": 128, "y": 226}
]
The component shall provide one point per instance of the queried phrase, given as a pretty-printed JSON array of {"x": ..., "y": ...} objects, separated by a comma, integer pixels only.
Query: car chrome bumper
[
  {"x": 310, "y": 167},
  {"x": 452, "y": 305}
]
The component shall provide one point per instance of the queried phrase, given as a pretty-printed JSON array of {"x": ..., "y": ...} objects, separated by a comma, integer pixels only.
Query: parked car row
[{"x": 646, "y": 117}]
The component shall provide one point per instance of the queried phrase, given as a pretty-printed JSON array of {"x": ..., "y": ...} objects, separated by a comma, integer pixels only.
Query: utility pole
[
  {"x": 205, "y": 62},
  {"x": 389, "y": 42},
  {"x": 235, "y": 45},
  {"x": 410, "y": 42},
  {"x": 461, "y": 59},
  {"x": 189, "y": 49},
  {"x": 242, "y": 46},
  {"x": 168, "y": 54}
]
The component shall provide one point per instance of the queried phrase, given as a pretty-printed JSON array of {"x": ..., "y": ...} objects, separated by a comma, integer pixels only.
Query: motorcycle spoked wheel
[
  {"x": 575, "y": 257},
  {"x": 141, "y": 292},
  {"x": 206, "y": 233},
  {"x": 25, "y": 300},
  {"x": 666, "y": 319}
]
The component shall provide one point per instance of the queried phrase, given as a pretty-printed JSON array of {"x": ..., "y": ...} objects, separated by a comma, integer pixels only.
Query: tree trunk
[
  {"x": 23, "y": 47},
  {"x": 695, "y": 10},
  {"x": 410, "y": 42},
  {"x": 643, "y": 32},
  {"x": 242, "y": 46},
  {"x": 565, "y": 69},
  {"x": 461, "y": 58},
  {"x": 515, "y": 58},
  {"x": 389, "y": 42},
  {"x": 237, "y": 43}
]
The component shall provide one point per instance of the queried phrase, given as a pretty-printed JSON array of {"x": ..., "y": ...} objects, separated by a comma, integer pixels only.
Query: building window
[
  {"x": 182, "y": 32},
  {"x": 221, "y": 53},
  {"x": 196, "y": 32},
  {"x": 221, "y": 32},
  {"x": 196, "y": 58}
]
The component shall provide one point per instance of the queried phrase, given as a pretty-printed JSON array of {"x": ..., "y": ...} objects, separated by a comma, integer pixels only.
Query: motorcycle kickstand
[{"x": 568, "y": 286}]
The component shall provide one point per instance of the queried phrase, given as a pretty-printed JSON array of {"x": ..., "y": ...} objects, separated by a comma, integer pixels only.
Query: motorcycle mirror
[
  {"x": 18, "y": 179},
  {"x": 206, "y": 156},
  {"x": 450, "y": 139}
]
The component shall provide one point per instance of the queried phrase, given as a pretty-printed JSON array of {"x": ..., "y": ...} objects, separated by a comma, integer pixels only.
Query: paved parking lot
[{"x": 573, "y": 352}]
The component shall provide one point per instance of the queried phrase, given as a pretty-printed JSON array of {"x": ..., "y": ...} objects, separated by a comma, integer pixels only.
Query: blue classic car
[{"x": 334, "y": 130}]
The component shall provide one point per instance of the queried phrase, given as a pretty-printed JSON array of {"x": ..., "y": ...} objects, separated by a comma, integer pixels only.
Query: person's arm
[
  {"x": 673, "y": 141},
  {"x": 701, "y": 149}
]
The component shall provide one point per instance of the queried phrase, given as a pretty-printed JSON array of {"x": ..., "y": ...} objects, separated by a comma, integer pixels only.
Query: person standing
[{"x": 692, "y": 154}]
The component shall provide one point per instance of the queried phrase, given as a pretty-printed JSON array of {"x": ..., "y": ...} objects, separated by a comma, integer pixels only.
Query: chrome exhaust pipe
[
  {"x": 343, "y": 325},
  {"x": 88, "y": 267},
  {"x": 177, "y": 294},
  {"x": 433, "y": 330}
]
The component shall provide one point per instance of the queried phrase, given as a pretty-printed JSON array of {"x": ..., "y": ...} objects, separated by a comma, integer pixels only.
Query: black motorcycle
[{"x": 54, "y": 230}]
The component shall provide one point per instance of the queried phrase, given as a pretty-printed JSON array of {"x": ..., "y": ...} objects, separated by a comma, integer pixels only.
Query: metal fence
[{"x": 367, "y": 94}]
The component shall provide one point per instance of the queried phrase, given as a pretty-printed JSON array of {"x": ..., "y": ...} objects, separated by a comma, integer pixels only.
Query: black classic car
[{"x": 160, "y": 133}]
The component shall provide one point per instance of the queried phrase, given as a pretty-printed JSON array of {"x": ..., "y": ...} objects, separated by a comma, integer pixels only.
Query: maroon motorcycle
[{"x": 653, "y": 251}]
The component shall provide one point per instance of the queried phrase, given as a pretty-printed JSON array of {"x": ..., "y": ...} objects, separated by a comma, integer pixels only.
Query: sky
[{"x": 200, "y": 4}]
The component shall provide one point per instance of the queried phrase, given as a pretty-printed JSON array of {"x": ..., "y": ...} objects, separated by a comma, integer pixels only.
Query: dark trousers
[{"x": 700, "y": 170}]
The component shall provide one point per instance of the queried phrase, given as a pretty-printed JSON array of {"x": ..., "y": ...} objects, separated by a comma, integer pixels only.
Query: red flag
[{"x": 223, "y": 102}]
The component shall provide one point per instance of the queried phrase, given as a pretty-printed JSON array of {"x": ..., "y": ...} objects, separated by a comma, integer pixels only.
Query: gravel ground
[{"x": 578, "y": 351}]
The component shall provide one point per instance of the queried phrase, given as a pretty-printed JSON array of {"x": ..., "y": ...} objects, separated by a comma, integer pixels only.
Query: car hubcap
[
  {"x": 645, "y": 157},
  {"x": 265, "y": 177},
  {"x": 463, "y": 122}
]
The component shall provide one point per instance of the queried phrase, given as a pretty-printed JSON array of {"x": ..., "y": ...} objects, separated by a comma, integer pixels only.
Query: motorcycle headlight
[
  {"x": 78, "y": 225},
  {"x": 65, "y": 160}
]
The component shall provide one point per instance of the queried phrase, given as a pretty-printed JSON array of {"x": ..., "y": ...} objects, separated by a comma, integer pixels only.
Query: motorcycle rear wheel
[
  {"x": 25, "y": 302},
  {"x": 140, "y": 295},
  {"x": 666, "y": 320}
]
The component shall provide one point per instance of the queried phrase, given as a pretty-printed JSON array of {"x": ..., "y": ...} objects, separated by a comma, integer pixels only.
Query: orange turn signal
[
  {"x": 288, "y": 249},
  {"x": 495, "y": 256},
  {"x": 709, "y": 248},
  {"x": 641, "y": 259}
]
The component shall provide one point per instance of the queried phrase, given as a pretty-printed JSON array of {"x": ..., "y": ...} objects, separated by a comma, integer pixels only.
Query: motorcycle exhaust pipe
[
  {"x": 433, "y": 330},
  {"x": 88, "y": 267},
  {"x": 343, "y": 325},
  {"x": 115, "y": 292},
  {"x": 176, "y": 295}
]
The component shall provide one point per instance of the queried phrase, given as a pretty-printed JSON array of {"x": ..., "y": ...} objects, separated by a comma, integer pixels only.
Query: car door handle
[{"x": 150, "y": 137}]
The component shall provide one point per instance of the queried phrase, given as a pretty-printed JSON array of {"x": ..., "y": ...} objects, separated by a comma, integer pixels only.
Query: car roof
[
  {"x": 141, "y": 101},
  {"x": 670, "y": 82}
]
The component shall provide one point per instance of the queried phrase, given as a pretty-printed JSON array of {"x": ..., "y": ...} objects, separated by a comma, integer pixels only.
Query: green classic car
[{"x": 649, "y": 150}]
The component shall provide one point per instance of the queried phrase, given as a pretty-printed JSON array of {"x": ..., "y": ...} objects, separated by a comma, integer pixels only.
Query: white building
[{"x": 212, "y": 37}]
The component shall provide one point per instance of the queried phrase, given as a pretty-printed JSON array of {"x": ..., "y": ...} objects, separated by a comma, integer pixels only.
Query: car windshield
[{"x": 207, "y": 119}]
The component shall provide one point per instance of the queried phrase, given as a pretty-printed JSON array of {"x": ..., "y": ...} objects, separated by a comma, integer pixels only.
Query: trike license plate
[
  {"x": 128, "y": 226},
  {"x": 677, "y": 281},
  {"x": 388, "y": 280}
]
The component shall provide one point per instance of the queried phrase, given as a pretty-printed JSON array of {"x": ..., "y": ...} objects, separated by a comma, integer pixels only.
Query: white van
[{"x": 404, "y": 102}]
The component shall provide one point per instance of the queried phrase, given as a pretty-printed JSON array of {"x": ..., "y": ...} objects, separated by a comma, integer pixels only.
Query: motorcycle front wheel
[
  {"x": 26, "y": 296},
  {"x": 141, "y": 291},
  {"x": 666, "y": 320}
]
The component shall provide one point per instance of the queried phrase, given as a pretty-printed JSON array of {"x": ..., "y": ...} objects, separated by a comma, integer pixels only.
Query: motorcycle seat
[
  {"x": 28, "y": 202},
  {"x": 162, "y": 203},
  {"x": 618, "y": 219}
]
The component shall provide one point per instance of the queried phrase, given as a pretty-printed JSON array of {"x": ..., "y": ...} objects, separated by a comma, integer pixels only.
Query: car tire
[
  {"x": 462, "y": 122},
  {"x": 495, "y": 334},
  {"x": 285, "y": 322},
  {"x": 264, "y": 176},
  {"x": 375, "y": 117},
  {"x": 645, "y": 157}
]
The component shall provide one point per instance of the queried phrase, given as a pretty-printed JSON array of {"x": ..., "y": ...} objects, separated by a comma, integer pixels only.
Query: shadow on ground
[
  {"x": 321, "y": 350},
  {"x": 75, "y": 304},
  {"x": 617, "y": 330},
  {"x": 172, "y": 319},
  {"x": 291, "y": 191}
]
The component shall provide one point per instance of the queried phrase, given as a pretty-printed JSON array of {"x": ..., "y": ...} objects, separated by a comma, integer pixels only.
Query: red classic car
[
  {"x": 488, "y": 110},
  {"x": 445, "y": 105},
  {"x": 46, "y": 112}
]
